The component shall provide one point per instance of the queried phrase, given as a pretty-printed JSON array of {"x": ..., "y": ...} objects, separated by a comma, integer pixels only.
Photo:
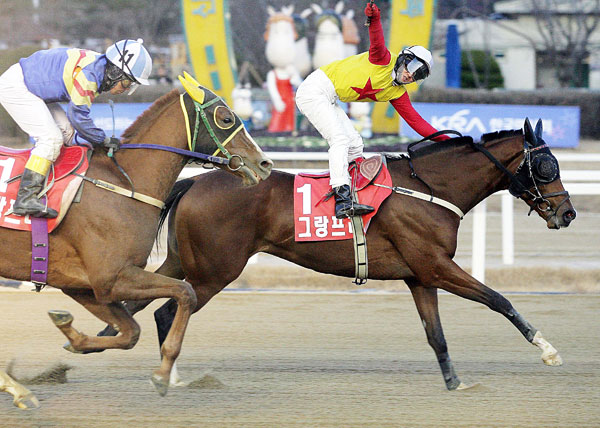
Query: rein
[{"x": 213, "y": 159}]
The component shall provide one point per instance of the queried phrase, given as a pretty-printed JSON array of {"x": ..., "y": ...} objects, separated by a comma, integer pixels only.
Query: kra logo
[{"x": 459, "y": 121}]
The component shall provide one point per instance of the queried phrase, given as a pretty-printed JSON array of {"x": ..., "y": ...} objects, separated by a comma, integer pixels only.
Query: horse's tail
[{"x": 179, "y": 189}]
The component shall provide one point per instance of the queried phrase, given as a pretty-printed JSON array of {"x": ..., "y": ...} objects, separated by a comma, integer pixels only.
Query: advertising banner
[
  {"x": 210, "y": 48},
  {"x": 561, "y": 123}
]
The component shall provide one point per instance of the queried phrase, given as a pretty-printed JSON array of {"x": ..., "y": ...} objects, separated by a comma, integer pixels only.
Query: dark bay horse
[
  {"x": 98, "y": 253},
  {"x": 210, "y": 242}
]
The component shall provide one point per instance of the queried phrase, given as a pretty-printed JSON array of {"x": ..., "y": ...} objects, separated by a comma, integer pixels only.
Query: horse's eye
[{"x": 224, "y": 118}]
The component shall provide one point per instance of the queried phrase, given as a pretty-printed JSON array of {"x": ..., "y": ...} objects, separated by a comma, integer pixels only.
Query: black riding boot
[
  {"x": 345, "y": 206},
  {"x": 27, "y": 198}
]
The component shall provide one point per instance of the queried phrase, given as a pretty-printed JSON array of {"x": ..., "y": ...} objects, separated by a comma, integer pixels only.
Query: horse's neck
[
  {"x": 466, "y": 177},
  {"x": 154, "y": 172}
]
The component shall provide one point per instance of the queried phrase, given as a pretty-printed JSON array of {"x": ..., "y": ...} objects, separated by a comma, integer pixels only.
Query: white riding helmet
[
  {"x": 417, "y": 60},
  {"x": 133, "y": 58}
]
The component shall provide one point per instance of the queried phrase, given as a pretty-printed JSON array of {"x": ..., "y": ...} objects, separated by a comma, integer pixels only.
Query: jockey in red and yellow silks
[
  {"x": 31, "y": 90},
  {"x": 373, "y": 76}
]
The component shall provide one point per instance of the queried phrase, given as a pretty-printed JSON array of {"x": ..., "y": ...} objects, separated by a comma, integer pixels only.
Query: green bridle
[{"x": 200, "y": 112}]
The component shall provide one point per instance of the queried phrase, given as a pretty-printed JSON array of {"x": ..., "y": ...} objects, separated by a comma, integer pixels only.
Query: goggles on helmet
[{"x": 417, "y": 68}]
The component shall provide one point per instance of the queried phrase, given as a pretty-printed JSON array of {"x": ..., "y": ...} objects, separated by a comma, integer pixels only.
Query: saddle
[
  {"x": 362, "y": 172},
  {"x": 314, "y": 211},
  {"x": 60, "y": 195},
  {"x": 63, "y": 187}
]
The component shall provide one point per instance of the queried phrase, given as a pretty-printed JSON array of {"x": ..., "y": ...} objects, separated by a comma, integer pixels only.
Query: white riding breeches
[
  {"x": 317, "y": 100},
  {"x": 47, "y": 124}
]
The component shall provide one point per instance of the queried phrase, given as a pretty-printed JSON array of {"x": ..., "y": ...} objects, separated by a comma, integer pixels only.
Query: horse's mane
[
  {"x": 441, "y": 146},
  {"x": 452, "y": 143},
  {"x": 151, "y": 113},
  {"x": 499, "y": 135}
]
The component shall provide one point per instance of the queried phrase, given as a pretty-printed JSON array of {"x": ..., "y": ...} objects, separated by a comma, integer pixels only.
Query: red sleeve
[
  {"x": 406, "y": 110},
  {"x": 378, "y": 53}
]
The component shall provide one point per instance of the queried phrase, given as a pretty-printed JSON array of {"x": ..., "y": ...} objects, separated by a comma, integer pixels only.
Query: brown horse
[
  {"x": 99, "y": 251},
  {"x": 209, "y": 242}
]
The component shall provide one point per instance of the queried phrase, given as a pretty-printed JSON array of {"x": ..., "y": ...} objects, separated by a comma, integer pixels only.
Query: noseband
[{"x": 524, "y": 183}]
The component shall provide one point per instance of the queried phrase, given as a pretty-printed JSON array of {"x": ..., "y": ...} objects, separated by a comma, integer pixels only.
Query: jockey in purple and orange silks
[
  {"x": 376, "y": 75},
  {"x": 31, "y": 89}
]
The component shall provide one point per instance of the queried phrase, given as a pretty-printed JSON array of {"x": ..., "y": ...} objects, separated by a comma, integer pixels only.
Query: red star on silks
[{"x": 366, "y": 92}]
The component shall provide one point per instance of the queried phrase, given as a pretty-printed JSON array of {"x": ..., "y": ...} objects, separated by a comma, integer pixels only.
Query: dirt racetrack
[{"x": 315, "y": 360}]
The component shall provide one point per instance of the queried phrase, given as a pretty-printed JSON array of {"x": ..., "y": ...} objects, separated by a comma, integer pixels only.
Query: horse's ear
[
  {"x": 538, "y": 130},
  {"x": 288, "y": 10},
  {"x": 350, "y": 14},
  {"x": 271, "y": 11},
  {"x": 318, "y": 9},
  {"x": 193, "y": 91},
  {"x": 339, "y": 7},
  {"x": 530, "y": 137},
  {"x": 305, "y": 13}
]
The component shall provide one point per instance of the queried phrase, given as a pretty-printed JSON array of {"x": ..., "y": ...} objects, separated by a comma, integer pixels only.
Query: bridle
[
  {"x": 201, "y": 114},
  {"x": 191, "y": 153},
  {"x": 541, "y": 167},
  {"x": 200, "y": 108}
]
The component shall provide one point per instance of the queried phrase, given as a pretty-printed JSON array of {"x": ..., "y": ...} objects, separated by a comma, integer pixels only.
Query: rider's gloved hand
[
  {"x": 372, "y": 11},
  {"x": 112, "y": 143}
]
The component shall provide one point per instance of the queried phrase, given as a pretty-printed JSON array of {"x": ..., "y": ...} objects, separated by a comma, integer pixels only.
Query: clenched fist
[{"x": 372, "y": 11}]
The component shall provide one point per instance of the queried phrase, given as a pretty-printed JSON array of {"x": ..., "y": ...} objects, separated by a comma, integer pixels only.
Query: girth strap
[{"x": 122, "y": 191}]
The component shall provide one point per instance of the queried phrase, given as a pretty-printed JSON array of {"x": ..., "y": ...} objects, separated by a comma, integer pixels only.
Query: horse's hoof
[
  {"x": 161, "y": 385},
  {"x": 60, "y": 318},
  {"x": 552, "y": 359},
  {"x": 464, "y": 386},
  {"x": 21, "y": 402},
  {"x": 70, "y": 348},
  {"x": 550, "y": 355}
]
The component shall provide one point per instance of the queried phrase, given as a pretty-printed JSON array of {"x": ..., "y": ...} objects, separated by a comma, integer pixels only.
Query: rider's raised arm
[
  {"x": 378, "y": 52},
  {"x": 406, "y": 110}
]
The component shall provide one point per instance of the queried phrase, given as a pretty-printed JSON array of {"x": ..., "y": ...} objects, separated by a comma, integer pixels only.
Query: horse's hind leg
[
  {"x": 450, "y": 277},
  {"x": 427, "y": 304},
  {"x": 21, "y": 395},
  {"x": 113, "y": 313}
]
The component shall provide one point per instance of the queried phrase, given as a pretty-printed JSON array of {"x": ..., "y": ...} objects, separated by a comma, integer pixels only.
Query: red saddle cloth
[
  {"x": 314, "y": 218},
  {"x": 60, "y": 196}
]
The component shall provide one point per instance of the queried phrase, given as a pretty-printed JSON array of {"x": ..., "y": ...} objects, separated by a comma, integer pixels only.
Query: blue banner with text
[{"x": 561, "y": 123}]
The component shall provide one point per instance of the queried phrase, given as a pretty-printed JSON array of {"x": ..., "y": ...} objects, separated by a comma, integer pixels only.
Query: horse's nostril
[
  {"x": 569, "y": 216},
  {"x": 267, "y": 165}
]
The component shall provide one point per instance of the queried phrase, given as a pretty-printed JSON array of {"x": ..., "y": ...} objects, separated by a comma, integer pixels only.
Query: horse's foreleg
[
  {"x": 134, "y": 283},
  {"x": 21, "y": 395},
  {"x": 427, "y": 305},
  {"x": 113, "y": 313},
  {"x": 450, "y": 277},
  {"x": 165, "y": 315},
  {"x": 171, "y": 268}
]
